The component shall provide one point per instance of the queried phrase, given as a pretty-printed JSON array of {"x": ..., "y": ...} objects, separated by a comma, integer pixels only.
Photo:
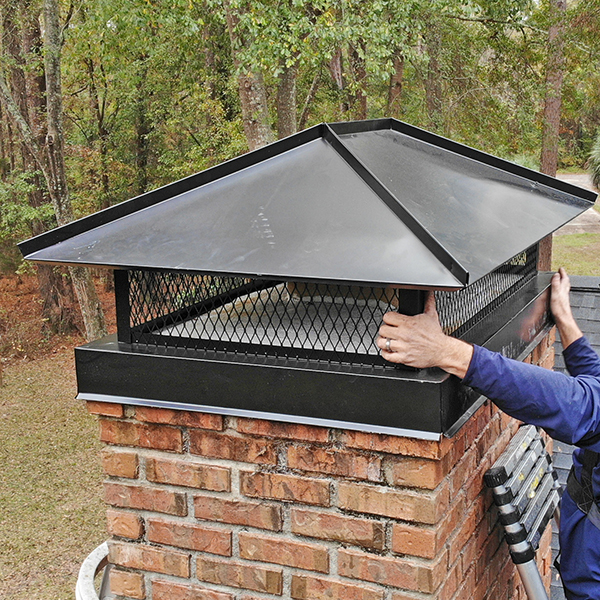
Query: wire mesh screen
[
  {"x": 461, "y": 310},
  {"x": 336, "y": 323}
]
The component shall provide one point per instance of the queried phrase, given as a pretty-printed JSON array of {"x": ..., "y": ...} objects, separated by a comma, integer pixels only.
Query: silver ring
[{"x": 388, "y": 345}]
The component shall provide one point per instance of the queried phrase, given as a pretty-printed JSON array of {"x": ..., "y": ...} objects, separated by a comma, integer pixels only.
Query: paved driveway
[{"x": 587, "y": 222}]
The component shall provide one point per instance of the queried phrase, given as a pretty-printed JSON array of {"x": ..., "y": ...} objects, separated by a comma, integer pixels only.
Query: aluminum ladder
[{"x": 527, "y": 494}]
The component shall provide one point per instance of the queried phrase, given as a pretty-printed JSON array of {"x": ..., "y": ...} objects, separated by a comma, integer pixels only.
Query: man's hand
[
  {"x": 420, "y": 342},
  {"x": 560, "y": 306}
]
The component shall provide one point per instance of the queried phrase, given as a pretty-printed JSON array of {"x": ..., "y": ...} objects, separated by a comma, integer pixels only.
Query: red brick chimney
[{"x": 204, "y": 507}]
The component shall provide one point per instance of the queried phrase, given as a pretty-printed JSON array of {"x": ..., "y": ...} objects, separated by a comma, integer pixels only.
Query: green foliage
[
  {"x": 151, "y": 91},
  {"x": 16, "y": 214}
]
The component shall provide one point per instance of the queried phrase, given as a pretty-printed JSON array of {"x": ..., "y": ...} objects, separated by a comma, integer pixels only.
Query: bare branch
[
  {"x": 24, "y": 129},
  {"x": 309, "y": 99}
]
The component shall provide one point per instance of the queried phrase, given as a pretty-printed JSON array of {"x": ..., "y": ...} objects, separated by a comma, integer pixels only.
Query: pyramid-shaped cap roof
[{"x": 369, "y": 202}]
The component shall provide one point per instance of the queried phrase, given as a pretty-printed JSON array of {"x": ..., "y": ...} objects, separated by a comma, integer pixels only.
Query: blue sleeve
[
  {"x": 568, "y": 408},
  {"x": 581, "y": 359}
]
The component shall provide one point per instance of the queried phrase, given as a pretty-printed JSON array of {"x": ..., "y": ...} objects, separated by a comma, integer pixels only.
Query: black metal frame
[
  {"x": 304, "y": 384},
  {"x": 424, "y": 404}
]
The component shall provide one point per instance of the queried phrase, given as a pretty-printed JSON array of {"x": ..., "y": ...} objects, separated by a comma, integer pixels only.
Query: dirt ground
[
  {"x": 22, "y": 332},
  {"x": 51, "y": 510}
]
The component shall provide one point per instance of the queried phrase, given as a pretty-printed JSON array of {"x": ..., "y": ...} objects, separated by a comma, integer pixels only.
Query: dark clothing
[{"x": 568, "y": 408}]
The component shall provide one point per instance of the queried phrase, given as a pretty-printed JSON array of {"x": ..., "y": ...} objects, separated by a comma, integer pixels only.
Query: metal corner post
[{"x": 123, "y": 305}]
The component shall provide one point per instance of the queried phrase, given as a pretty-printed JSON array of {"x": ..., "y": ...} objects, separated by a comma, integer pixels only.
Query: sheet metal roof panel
[
  {"x": 301, "y": 214},
  {"x": 373, "y": 202},
  {"x": 482, "y": 214}
]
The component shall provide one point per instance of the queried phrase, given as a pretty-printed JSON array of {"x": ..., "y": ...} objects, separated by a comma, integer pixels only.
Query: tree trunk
[
  {"x": 396, "y": 80},
  {"x": 91, "y": 310},
  {"x": 309, "y": 99},
  {"x": 251, "y": 88},
  {"x": 210, "y": 62},
  {"x": 552, "y": 108},
  {"x": 359, "y": 71},
  {"x": 4, "y": 142},
  {"x": 142, "y": 131},
  {"x": 99, "y": 108},
  {"x": 286, "y": 102},
  {"x": 433, "y": 84},
  {"x": 22, "y": 41},
  {"x": 336, "y": 68},
  {"x": 554, "y": 82}
]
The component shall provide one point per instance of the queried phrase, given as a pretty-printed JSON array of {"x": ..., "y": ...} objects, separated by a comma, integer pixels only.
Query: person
[{"x": 566, "y": 406}]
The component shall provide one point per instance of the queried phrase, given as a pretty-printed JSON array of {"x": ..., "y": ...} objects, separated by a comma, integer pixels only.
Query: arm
[
  {"x": 568, "y": 408},
  {"x": 560, "y": 306},
  {"x": 579, "y": 357}
]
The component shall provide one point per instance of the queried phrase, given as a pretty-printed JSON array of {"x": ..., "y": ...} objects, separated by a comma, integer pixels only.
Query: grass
[
  {"x": 578, "y": 253},
  {"x": 51, "y": 511}
]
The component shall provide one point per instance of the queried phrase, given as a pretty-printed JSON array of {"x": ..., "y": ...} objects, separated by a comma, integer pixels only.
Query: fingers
[
  {"x": 561, "y": 281},
  {"x": 394, "y": 319},
  {"x": 564, "y": 278}
]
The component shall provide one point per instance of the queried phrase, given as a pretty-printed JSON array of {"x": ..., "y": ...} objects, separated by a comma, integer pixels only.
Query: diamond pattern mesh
[
  {"x": 336, "y": 323},
  {"x": 461, "y": 310}
]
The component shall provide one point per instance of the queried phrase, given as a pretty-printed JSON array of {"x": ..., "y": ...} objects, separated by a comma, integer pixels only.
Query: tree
[
  {"x": 554, "y": 84},
  {"x": 595, "y": 163},
  {"x": 22, "y": 50},
  {"x": 552, "y": 107},
  {"x": 49, "y": 158},
  {"x": 251, "y": 85}
]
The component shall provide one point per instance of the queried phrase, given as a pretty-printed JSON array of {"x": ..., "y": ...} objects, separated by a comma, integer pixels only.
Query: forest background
[{"x": 102, "y": 100}]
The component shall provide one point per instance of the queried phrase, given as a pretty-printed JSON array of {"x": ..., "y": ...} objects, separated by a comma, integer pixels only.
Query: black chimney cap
[{"x": 369, "y": 203}]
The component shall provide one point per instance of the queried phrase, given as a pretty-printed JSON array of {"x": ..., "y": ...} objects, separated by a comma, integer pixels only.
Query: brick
[
  {"x": 105, "y": 409},
  {"x": 415, "y": 540},
  {"x": 148, "y": 558},
  {"x": 238, "y": 512},
  {"x": 145, "y": 498},
  {"x": 188, "y": 474},
  {"x": 547, "y": 361},
  {"x": 403, "y": 595},
  {"x": 290, "y": 431},
  {"x": 333, "y": 527},
  {"x": 461, "y": 473},
  {"x": 391, "y": 444},
  {"x": 451, "y": 583},
  {"x": 396, "y": 572},
  {"x": 423, "y": 541},
  {"x": 126, "y": 583},
  {"x": 284, "y": 551},
  {"x": 120, "y": 463},
  {"x": 313, "y": 588},
  {"x": 189, "y": 536},
  {"x": 180, "y": 418},
  {"x": 234, "y": 574},
  {"x": 124, "y": 524},
  {"x": 125, "y": 433},
  {"x": 334, "y": 462},
  {"x": 285, "y": 487},
  {"x": 229, "y": 447},
  {"x": 168, "y": 590},
  {"x": 478, "y": 552},
  {"x": 423, "y": 507},
  {"x": 416, "y": 472}
]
